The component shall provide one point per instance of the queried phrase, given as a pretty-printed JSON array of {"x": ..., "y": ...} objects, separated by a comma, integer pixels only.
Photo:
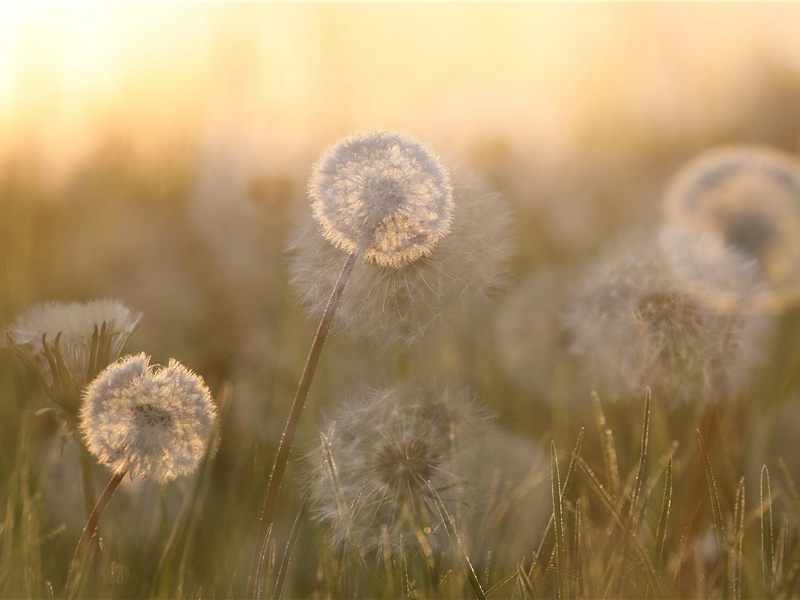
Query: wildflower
[
  {"x": 748, "y": 196},
  {"x": 146, "y": 421},
  {"x": 382, "y": 194},
  {"x": 635, "y": 324},
  {"x": 406, "y": 304},
  {"x": 379, "y": 457},
  {"x": 67, "y": 344}
]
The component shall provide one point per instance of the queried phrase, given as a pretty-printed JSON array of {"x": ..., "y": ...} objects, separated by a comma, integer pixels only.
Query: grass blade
[
  {"x": 609, "y": 451},
  {"x": 767, "y": 545},
  {"x": 712, "y": 490},
  {"x": 639, "y": 481},
  {"x": 735, "y": 565},
  {"x": 661, "y": 530},
  {"x": 451, "y": 531},
  {"x": 558, "y": 520}
]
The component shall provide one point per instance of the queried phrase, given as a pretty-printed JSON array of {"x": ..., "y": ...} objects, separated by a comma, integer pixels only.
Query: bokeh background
[{"x": 154, "y": 153}]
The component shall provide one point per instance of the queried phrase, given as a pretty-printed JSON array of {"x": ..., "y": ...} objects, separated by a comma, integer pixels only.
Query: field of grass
[{"x": 538, "y": 408}]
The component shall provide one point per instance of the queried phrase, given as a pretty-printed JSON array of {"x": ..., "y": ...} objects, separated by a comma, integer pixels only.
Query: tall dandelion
[
  {"x": 401, "y": 306},
  {"x": 749, "y": 198},
  {"x": 145, "y": 421},
  {"x": 379, "y": 196}
]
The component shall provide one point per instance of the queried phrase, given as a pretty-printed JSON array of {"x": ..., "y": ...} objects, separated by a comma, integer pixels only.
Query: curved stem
[
  {"x": 91, "y": 525},
  {"x": 290, "y": 429}
]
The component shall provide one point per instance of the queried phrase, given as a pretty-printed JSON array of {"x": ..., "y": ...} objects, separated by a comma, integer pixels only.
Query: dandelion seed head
[
  {"x": 73, "y": 324},
  {"x": 633, "y": 324},
  {"x": 749, "y": 198},
  {"x": 407, "y": 304},
  {"x": 148, "y": 421},
  {"x": 378, "y": 454},
  {"x": 383, "y": 194}
]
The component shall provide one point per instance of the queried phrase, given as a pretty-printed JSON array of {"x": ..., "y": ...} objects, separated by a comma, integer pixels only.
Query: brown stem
[
  {"x": 91, "y": 525},
  {"x": 285, "y": 444},
  {"x": 87, "y": 466}
]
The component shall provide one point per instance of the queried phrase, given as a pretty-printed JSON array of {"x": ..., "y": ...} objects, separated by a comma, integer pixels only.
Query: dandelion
[
  {"x": 147, "y": 421},
  {"x": 635, "y": 324},
  {"x": 383, "y": 195},
  {"x": 407, "y": 304},
  {"x": 144, "y": 421},
  {"x": 67, "y": 344},
  {"x": 370, "y": 483},
  {"x": 748, "y": 197}
]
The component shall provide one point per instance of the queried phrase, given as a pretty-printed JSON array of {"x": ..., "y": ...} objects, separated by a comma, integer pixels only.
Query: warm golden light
[{"x": 152, "y": 73}]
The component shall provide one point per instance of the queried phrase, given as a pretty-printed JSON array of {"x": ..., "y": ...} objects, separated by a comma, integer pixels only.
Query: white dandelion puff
[
  {"x": 406, "y": 304},
  {"x": 634, "y": 324},
  {"x": 67, "y": 344},
  {"x": 382, "y": 194},
  {"x": 379, "y": 452},
  {"x": 749, "y": 198},
  {"x": 148, "y": 421}
]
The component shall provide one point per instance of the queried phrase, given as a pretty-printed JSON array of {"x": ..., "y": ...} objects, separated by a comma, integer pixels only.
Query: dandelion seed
[
  {"x": 749, "y": 198},
  {"x": 407, "y": 304},
  {"x": 153, "y": 422},
  {"x": 382, "y": 194},
  {"x": 370, "y": 483},
  {"x": 69, "y": 343},
  {"x": 634, "y": 324}
]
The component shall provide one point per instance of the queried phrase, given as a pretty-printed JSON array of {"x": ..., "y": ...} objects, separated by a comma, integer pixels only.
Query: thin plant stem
[
  {"x": 91, "y": 525},
  {"x": 87, "y": 466},
  {"x": 290, "y": 429}
]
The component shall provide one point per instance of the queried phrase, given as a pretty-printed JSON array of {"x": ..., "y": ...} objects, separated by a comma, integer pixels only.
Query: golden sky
[{"x": 297, "y": 75}]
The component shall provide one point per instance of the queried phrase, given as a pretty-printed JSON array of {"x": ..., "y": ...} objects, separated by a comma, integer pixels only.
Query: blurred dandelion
[
  {"x": 68, "y": 344},
  {"x": 634, "y": 324},
  {"x": 151, "y": 422},
  {"x": 749, "y": 197},
  {"x": 382, "y": 194},
  {"x": 406, "y": 304},
  {"x": 378, "y": 453}
]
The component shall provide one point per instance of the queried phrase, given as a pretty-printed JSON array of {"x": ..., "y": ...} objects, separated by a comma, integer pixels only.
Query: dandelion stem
[
  {"x": 91, "y": 525},
  {"x": 285, "y": 444}
]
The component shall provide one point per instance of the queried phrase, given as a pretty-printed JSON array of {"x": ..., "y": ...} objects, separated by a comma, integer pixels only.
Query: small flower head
[
  {"x": 405, "y": 304},
  {"x": 382, "y": 194},
  {"x": 379, "y": 457},
  {"x": 67, "y": 344},
  {"x": 152, "y": 422},
  {"x": 635, "y": 324},
  {"x": 749, "y": 197}
]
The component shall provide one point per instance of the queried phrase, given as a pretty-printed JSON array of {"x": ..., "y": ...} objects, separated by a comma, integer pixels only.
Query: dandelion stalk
[
  {"x": 290, "y": 429},
  {"x": 91, "y": 526}
]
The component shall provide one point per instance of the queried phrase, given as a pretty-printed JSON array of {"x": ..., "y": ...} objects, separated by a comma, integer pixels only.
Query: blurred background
[{"x": 153, "y": 153}]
